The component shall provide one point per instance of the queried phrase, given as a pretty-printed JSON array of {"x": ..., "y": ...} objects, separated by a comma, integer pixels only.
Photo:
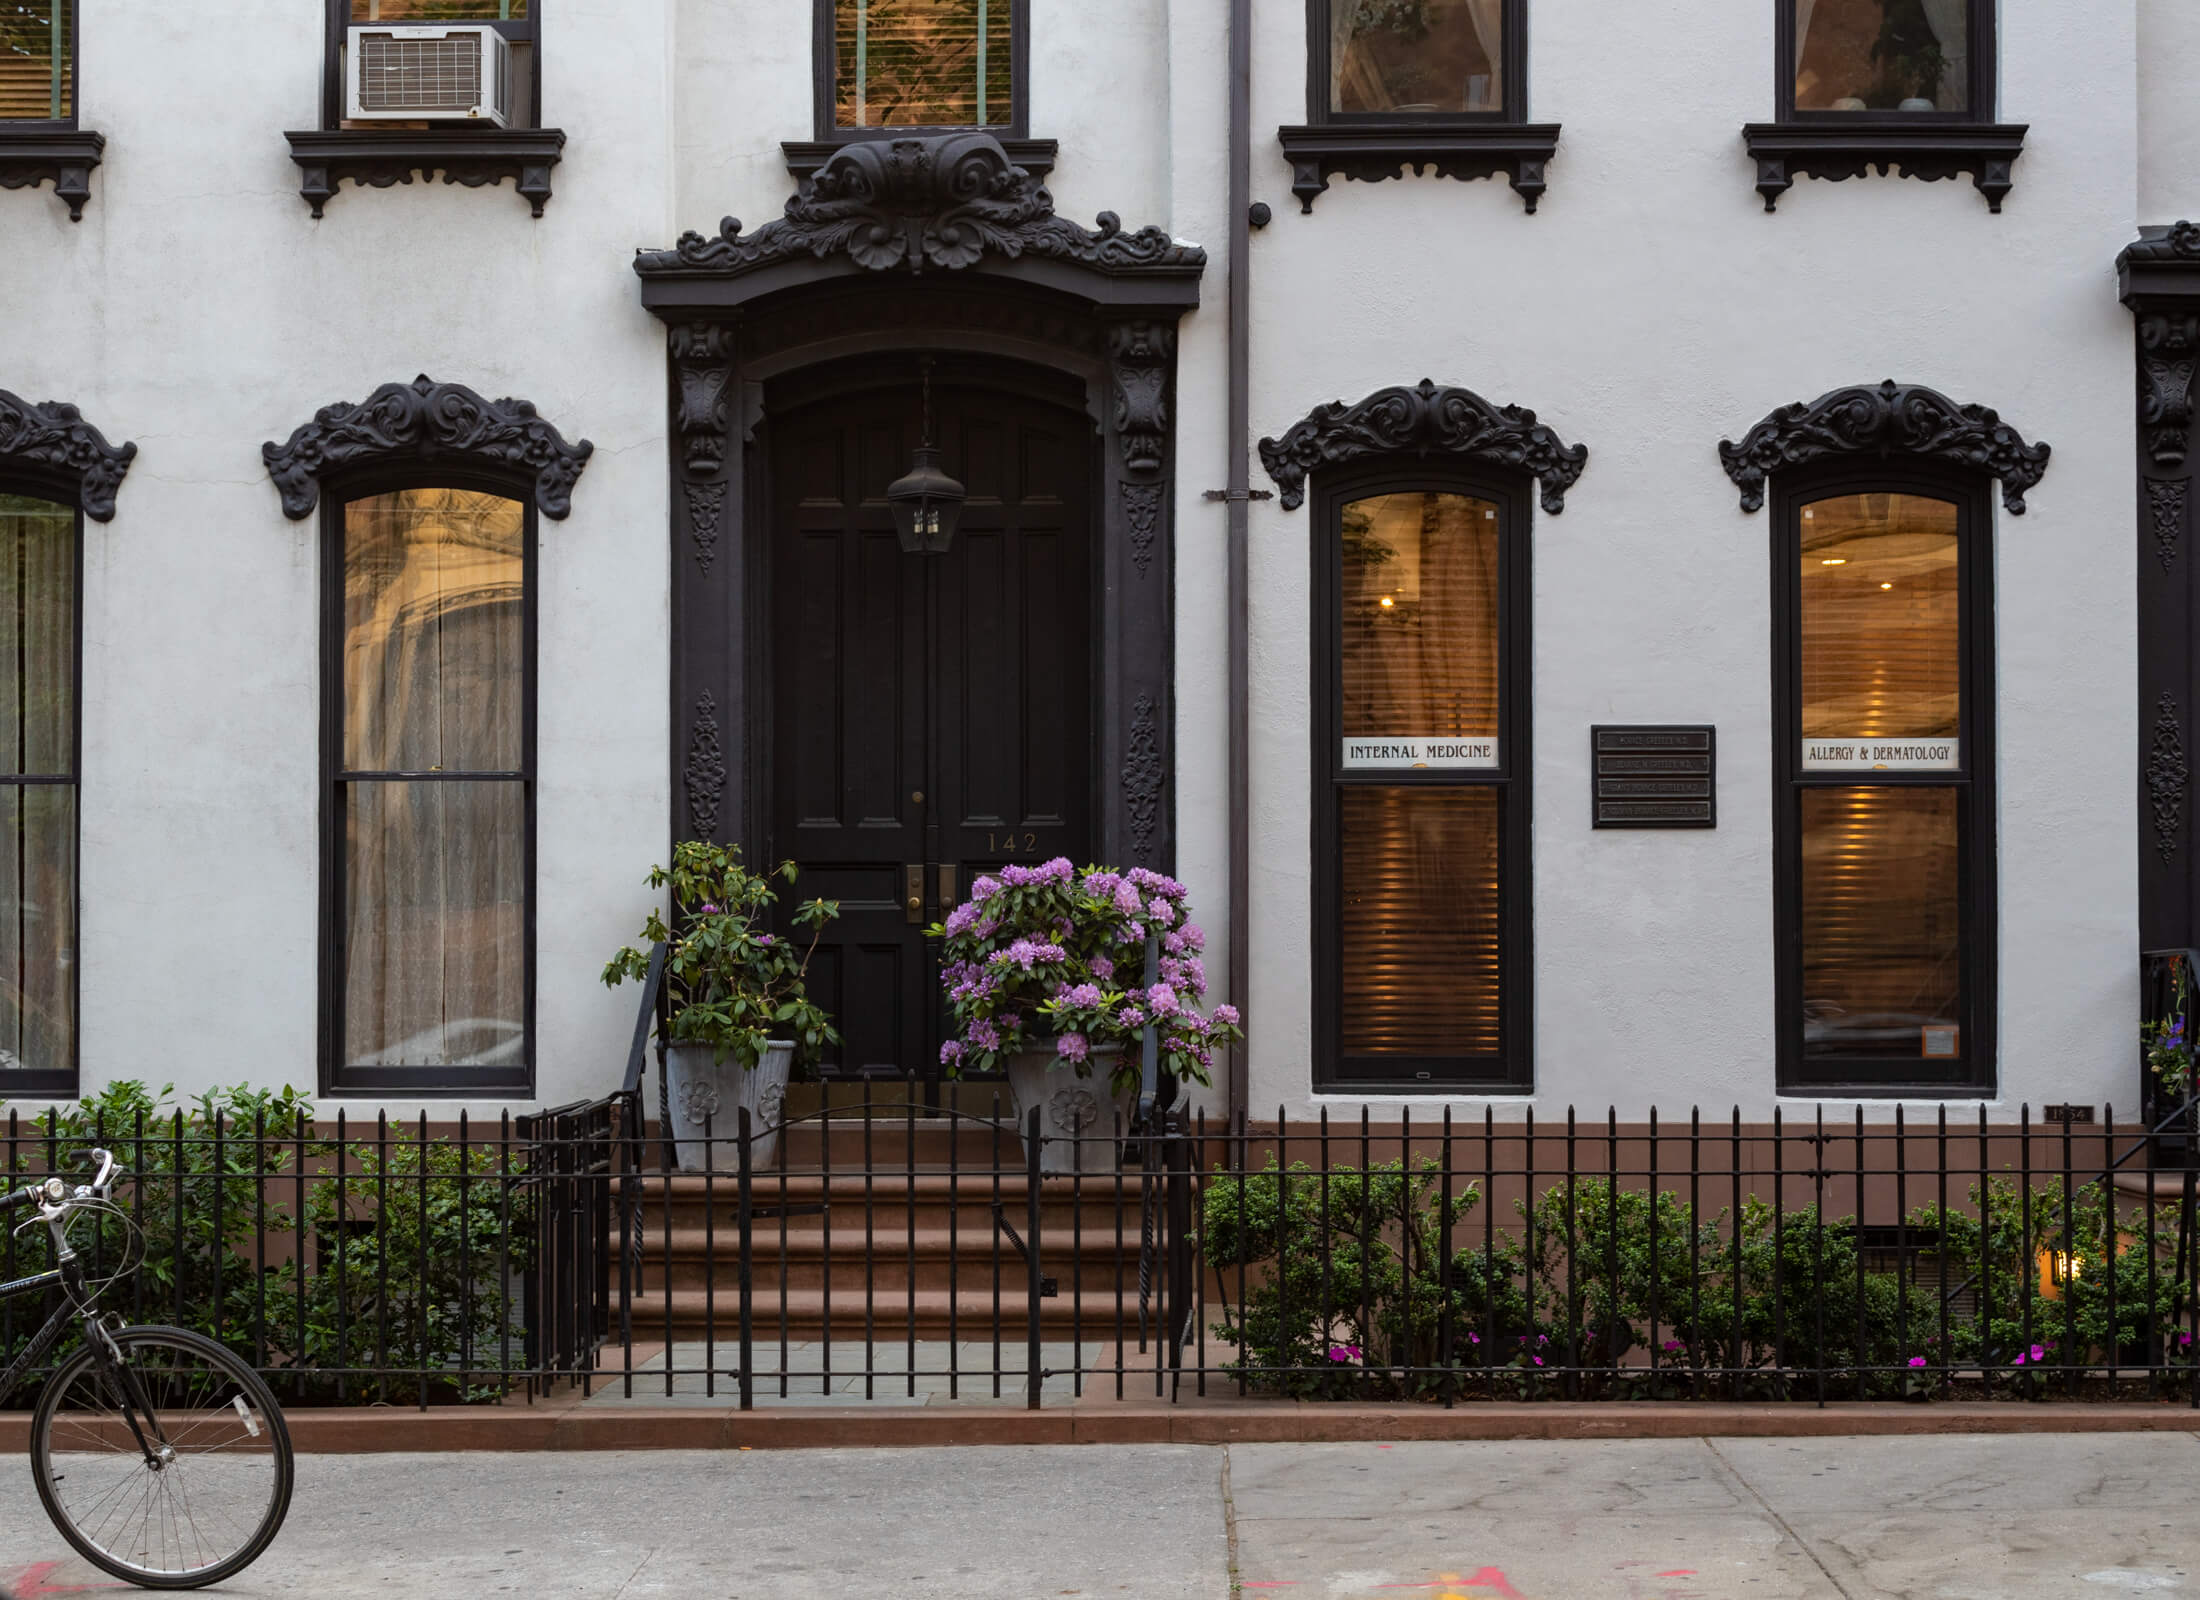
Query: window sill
[
  {"x": 472, "y": 156},
  {"x": 1785, "y": 151},
  {"x": 1373, "y": 151},
  {"x": 63, "y": 157},
  {"x": 805, "y": 156}
]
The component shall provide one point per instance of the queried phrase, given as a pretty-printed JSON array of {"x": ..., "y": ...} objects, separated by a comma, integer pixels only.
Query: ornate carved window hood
[
  {"x": 380, "y": 158},
  {"x": 1425, "y": 420},
  {"x": 807, "y": 157},
  {"x": 1785, "y": 151},
  {"x": 1374, "y": 151},
  {"x": 940, "y": 203},
  {"x": 52, "y": 444},
  {"x": 1907, "y": 420},
  {"x": 425, "y": 421}
]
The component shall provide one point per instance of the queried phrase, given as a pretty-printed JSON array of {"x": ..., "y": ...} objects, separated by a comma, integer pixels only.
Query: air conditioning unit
[{"x": 429, "y": 74}]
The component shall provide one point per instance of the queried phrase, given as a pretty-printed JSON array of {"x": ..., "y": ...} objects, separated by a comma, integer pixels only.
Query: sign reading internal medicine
[
  {"x": 1892, "y": 755},
  {"x": 1442, "y": 752}
]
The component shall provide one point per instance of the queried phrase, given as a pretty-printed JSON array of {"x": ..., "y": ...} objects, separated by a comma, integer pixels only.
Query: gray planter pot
[
  {"x": 699, "y": 1086},
  {"x": 1080, "y": 1117}
]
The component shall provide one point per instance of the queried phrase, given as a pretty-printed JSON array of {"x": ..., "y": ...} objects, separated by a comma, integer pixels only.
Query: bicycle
[{"x": 160, "y": 1456}]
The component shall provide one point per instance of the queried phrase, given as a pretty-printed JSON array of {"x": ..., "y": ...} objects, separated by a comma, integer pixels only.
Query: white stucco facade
[{"x": 1649, "y": 309}]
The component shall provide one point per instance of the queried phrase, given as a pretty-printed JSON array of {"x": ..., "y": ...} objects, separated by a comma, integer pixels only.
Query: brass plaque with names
[{"x": 1654, "y": 776}]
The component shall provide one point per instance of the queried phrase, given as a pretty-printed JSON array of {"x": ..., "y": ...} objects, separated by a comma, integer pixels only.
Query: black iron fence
[{"x": 879, "y": 1250}]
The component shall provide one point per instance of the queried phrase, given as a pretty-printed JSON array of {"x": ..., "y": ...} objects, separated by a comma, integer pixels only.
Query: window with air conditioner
[{"x": 435, "y": 63}]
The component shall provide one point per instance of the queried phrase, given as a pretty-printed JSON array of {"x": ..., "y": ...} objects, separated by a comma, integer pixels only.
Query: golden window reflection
[
  {"x": 38, "y": 822},
  {"x": 1882, "y": 922},
  {"x": 1420, "y": 935},
  {"x": 923, "y": 63},
  {"x": 1420, "y": 576},
  {"x": 1882, "y": 55},
  {"x": 1881, "y": 618},
  {"x": 1413, "y": 57}
]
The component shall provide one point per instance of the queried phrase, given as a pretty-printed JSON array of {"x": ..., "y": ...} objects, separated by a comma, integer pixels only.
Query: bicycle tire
[{"x": 239, "y": 1389}]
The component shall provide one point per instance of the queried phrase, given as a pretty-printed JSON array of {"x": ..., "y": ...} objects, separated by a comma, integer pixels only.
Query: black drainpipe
[{"x": 1240, "y": 483}]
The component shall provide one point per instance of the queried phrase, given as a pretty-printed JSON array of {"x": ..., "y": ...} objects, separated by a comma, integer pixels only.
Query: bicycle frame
[{"x": 78, "y": 1303}]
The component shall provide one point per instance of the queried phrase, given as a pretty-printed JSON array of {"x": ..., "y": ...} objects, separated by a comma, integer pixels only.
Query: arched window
[
  {"x": 1421, "y": 747},
  {"x": 428, "y": 729},
  {"x": 1883, "y": 732},
  {"x": 55, "y": 470}
]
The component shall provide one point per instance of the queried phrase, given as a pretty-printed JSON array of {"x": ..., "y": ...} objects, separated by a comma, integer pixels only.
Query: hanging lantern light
[{"x": 927, "y": 503}]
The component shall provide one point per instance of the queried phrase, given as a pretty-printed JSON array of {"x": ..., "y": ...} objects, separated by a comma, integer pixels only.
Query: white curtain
[
  {"x": 1803, "y": 9},
  {"x": 1951, "y": 25},
  {"x": 1488, "y": 17}
]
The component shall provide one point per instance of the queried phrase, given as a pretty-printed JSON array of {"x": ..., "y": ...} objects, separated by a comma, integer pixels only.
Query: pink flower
[
  {"x": 1917, "y": 1361},
  {"x": 984, "y": 888},
  {"x": 2039, "y": 1353},
  {"x": 1227, "y": 1015},
  {"x": 1103, "y": 968},
  {"x": 1345, "y": 1352},
  {"x": 1538, "y": 1361},
  {"x": 1071, "y": 1047}
]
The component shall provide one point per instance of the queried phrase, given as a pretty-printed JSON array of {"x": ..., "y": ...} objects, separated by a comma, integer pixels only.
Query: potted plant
[
  {"x": 1044, "y": 969},
  {"x": 736, "y": 1016}
]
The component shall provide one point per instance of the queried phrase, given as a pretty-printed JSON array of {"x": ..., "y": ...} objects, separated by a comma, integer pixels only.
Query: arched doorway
[{"x": 929, "y": 715}]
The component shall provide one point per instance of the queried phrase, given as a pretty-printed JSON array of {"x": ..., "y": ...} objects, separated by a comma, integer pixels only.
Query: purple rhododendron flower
[
  {"x": 763, "y": 938},
  {"x": 1082, "y": 995},
  {"x": 951, "y": 1052},
  {"x": 984, "y": 888},
  {"x": 982, "y": 1035},
  {"x": 960, "y": 919},
  {"x": 1071, "y": 1047},
  {"x": 1161, "y": 911},
  {"x": 1227, "y": 1015},
  {"x": 1163, "y": 1000},
  {"x": 709, "y": 910},
  {"x": 1173, "y": 942},
  {"x": 1130, "y": 1017},
  {"x": 1127, "y": 901},
  {"x": 1194, "y": 937}
]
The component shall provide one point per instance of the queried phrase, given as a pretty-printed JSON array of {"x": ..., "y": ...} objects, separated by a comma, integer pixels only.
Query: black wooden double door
[{"x": 931, "y": 715}]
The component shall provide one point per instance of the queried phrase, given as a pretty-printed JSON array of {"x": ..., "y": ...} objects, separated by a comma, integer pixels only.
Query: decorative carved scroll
[
  {"x": 1138, "y": 361},
  {"x": 1891, "y": 420},
  {"x": 426, "y": 420},
  {"x": 945, "y": 201},
  {"x": 1143, "y": 773},
  {"x": 2169, "y": 344},
  {"x": 55, "y": 437},
  {"x": 2166, "y": 511},
  {"x": 706, "y": 503},
  {"x": 2167, "y": 776},
  {"x": 1142, "y": 513},
  {"x": 702, "y": 360},
  {"x": 1424, "y": 420},
  {"x": 705, "y": 768}
]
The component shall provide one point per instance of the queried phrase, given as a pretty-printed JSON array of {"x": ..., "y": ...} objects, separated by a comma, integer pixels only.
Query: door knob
[{"x": 912, "y": 891}]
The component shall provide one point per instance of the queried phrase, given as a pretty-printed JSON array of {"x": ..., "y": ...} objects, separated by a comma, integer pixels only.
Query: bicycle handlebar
[{"x": 56, "y": 1192}]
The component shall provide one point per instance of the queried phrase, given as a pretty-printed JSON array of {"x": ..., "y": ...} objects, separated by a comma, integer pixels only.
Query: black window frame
[
  {"x": 1513, "y": 113},
  {"x": 1979, "y": 97},
  {"x": 527, "y": 31},
  {"x": 338, "y": 1077},
  {"x": 825, "y": 69},
  {"x": 62, "y": 489},
  {"x": 69, "y": 123},
  {"x": 1512, "y": 1071},
  {"x": 1975, "y": 1073}
]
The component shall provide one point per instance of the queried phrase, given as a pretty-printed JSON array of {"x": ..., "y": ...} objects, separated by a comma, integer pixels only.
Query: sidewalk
[{"x": 1954, "y": 1518}]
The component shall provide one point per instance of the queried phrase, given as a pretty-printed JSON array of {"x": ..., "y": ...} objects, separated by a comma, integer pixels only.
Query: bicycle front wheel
[{"x": 171, "y": 1469}]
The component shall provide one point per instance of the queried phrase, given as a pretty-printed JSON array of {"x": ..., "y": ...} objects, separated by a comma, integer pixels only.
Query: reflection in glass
[
  {"x": 1416, "y": 56},
  {"x": 433, "y": 632},
  {"x": 1881, "y": 615},
  {"x": 1882, "y": 944},
  {"x": 1882, "y": 55},
  {"x": 37, "y": 77},
  {"x": 1420, "y": 933},
  {"x": 922, "y": 63},
  {"x": 37, "y": 820},
  {"x": 1419, "y": 655},
  {"x": 37, "y": 638},
  {"x": 432, "y": 11},
  {"x": 434, "y": 871},
  {"x": 435, "y": 942}
]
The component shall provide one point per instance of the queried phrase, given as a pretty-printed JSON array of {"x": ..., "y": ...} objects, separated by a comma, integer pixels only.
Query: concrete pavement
[{"x": 2071, "y": 1516}]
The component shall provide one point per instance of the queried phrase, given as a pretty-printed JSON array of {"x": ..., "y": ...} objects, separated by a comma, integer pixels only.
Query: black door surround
[{"x": 907, "y": 246}]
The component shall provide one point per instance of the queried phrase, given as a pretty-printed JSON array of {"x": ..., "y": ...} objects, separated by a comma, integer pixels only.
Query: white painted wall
[{"x": 1649, "y": 310}]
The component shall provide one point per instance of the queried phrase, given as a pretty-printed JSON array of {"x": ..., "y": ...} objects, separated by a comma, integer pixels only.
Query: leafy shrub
[{"x": 411, "y": 1254}]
